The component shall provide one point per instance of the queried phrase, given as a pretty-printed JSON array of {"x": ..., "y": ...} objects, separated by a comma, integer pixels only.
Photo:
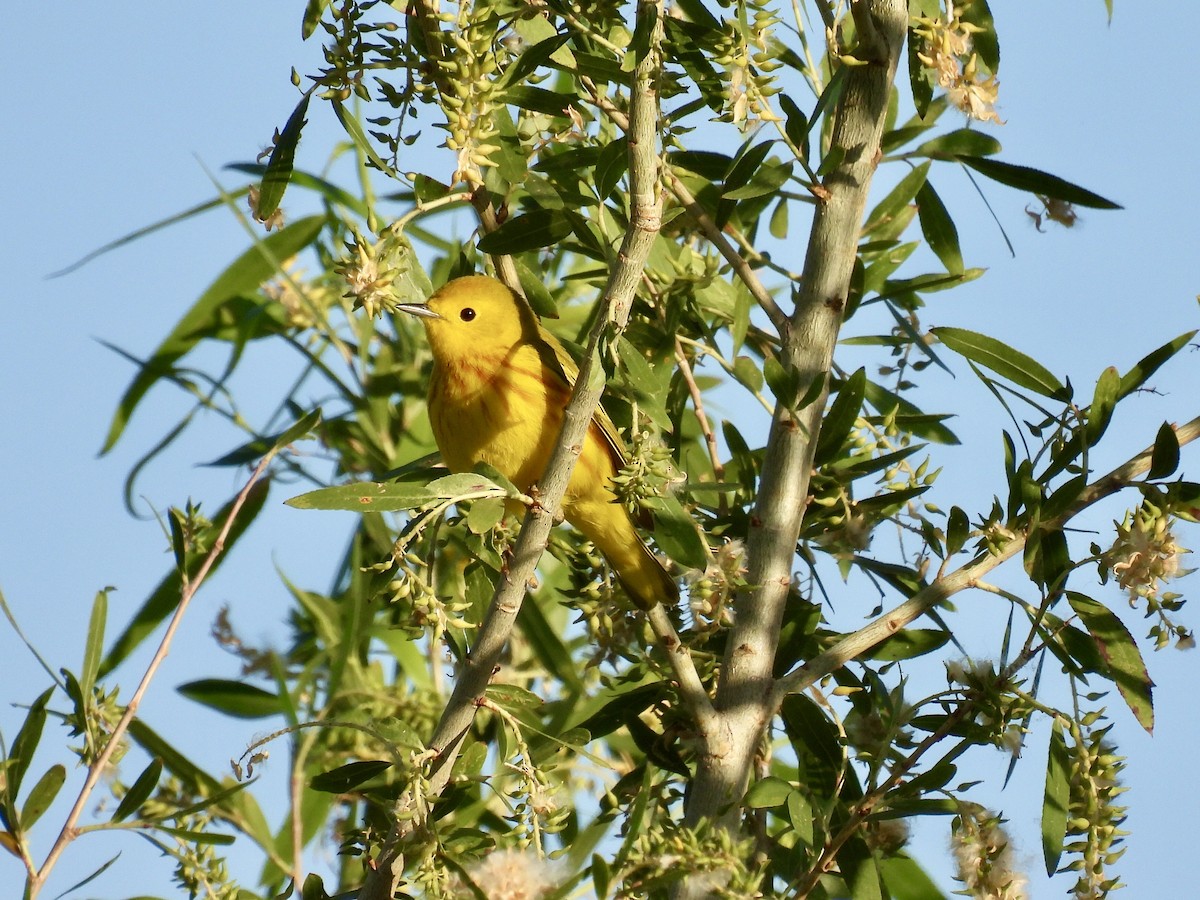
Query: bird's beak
[{"x": 418, "y": 309}]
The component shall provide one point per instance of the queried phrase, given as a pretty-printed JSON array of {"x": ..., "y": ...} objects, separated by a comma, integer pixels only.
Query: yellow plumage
[{"x": 499, "y": 386}]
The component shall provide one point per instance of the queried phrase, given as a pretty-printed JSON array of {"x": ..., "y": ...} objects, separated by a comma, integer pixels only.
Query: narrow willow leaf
[
  {"x": 963, "y": 142},
  {"x": 512, "y": 697},
  {"x": 533, "y": 230},
  {"x": 1165, "y": 458},
  {"x": 354, "y": 128},
  {"x": 1021, "y": 370},
  {"x": 1126, "y": 668},
  {"x": 840, "y": 418},
  {"x": 1056, "y": 799},
  {"x": 920, "y": 77},
  {"x": 983, "y": 37},
  {"x": 859, "y": 869},
  {"x": 938, "y": 228},
  {"x": 1104, "y": 402},
  {"x": 242, "y": 276},
  {"x": 957, "y": 528},
  {"x": 1151, "y": 362},
  {"x": 94, "y": 648},
  {"x": 1036, "y": 181},
  {"x": 24, "y": 745},
  {"x": 348, "y": 777},
  {"x": 908, "y": 643},
  {"x": 42, "y": 794},
  {"x": 906, "y": 880},
  {"x": 234, "y": 698},
  {"x": 139, "y": 792},
  {"x": 283, "y": 158}
]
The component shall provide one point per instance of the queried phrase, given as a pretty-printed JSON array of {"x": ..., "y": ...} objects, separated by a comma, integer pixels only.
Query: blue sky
[{"x": 113, "y": 113}]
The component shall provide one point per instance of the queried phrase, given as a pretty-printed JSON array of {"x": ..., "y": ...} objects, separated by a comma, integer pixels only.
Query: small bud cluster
[
  {"x": 369, "y": 271},
  {"x": 998, "y": 709},
  {"x": 711, "y": 592},
  {"x": 745, "y": 50},
  {"x": 983, "y": 855},
  {"x": 469, "y": 64},
  {"x": 666, "y": 853},
  {"x": 644, "y": 477},
  {"x": 1094, "y": 818},
  {"x": 956, "y": 68},
  {"x": 304, "y": 302},
  {"x": 1144, "y": 555}
]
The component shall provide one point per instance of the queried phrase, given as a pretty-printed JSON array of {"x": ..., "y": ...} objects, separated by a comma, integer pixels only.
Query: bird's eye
[{"x": 466, "y": 314}]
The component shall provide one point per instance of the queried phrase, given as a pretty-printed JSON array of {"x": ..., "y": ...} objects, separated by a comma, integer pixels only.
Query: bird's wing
[{"x": 556, "y": 358}]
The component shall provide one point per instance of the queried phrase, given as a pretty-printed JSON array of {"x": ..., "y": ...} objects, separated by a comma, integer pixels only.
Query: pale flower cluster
[
  {"x": 1144, "y": 553},
  {"x": 512, "y": 875},
  {"x": 956, "y": 68},
  {"x": 984, "y": 858}
]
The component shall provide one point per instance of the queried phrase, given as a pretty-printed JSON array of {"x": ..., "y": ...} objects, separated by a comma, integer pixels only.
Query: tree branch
[
  {"x": 745, "y": 700},
  {"x": 645, "y": 221},
  {"x": 854, "y": 645}
]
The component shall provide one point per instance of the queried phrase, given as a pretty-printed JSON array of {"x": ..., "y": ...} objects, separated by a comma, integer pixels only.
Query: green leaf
[
  {"x": 906, "y": 880},
  {"x": 963, "y": 142},
  {"x": 920, "y": 77},
  {"x": 485, "y": 514},
  {"x": 767, "y": 793},
  {"x": 815, "y": 738},
  {"x": 1125, "y": 665},
  {"x": 534, "y": 287},
  {"x": 371, "y": 496},
  {"x": 859, "y": 869},
  {"x": 1002, "y": 359},
  {"x": 513, "y": 698},
  {"x": 958, "y": 526},
  {"x": 1149, "y": 364},
  {"x": 675, "y": 533},
  {"x": 1104, "y": 402},
  {"x": 908, "y": 644},
  {"x": 839, "y": 420},
  {"x": 348, "y": 777},
  {"x": 767, "y": 179},
  {"x": 20, "y": 754},
  {"x": 1165, "y": 458},
  {"x": 984, "y": 40},
  {"x": 283, "y": 158},
  {"x": 163, "y": 601},
  {"x": 243, "y": 276},
  {"x": 534, "y": 230},
  {"x": 139, "y": 792},
  {"x": 1036, "y": 181},
  {"x": 1056, "y": 799},
  {"x": 94, "y": 647},
  {"x": 938, "y": 228},
  {"x": 197, "y": 837},
  {"x": 354, "y": 128},
  {"x": 234, "y": 698},
  {"x": 42, "y": 794}
]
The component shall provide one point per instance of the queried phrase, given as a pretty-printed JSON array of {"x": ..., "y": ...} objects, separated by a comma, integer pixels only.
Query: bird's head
[{"x": 473, "y": 316}]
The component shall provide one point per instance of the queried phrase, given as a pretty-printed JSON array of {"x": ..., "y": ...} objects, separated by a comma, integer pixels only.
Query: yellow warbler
[{"x": 499, "y": 386}]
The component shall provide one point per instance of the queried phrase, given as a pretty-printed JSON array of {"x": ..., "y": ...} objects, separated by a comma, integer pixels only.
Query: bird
[{"x": 499, "y": 385}]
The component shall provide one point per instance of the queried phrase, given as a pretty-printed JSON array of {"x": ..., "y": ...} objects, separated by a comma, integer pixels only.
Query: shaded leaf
[
  {"x": 1022, "y": 370},
  {"x": 348, "y": 777},
  {"x": 42, "y": 794},
  {"x": 840, "y": 418},
  {"x": 1125, "y": 665},
  {"x": 139, "y": 792},
  {"x": 234, "y": 698},
  {"x": 533, "y": 230},
  {"x": 939, "y": 229},
  {"x": 1164, "y": 460},
  {"x": 1056, "y": 798},
  {"x": 283, "y": 158},
  {"x": 1036, "y": 181},
  {"x": 768, "y": 792},
  {"x": 242, "y": 276}
]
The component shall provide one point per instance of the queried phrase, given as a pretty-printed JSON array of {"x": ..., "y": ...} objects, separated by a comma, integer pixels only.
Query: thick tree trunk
[{"x": 744, "y": 701}]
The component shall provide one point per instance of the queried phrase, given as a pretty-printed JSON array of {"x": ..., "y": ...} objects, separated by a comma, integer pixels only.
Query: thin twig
[
  {"x": 855, "y": 644},
  {"x": 645, "y": 222},
  {"x": 97, "y": 768},
  {"x": 710, "y": 439}
]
